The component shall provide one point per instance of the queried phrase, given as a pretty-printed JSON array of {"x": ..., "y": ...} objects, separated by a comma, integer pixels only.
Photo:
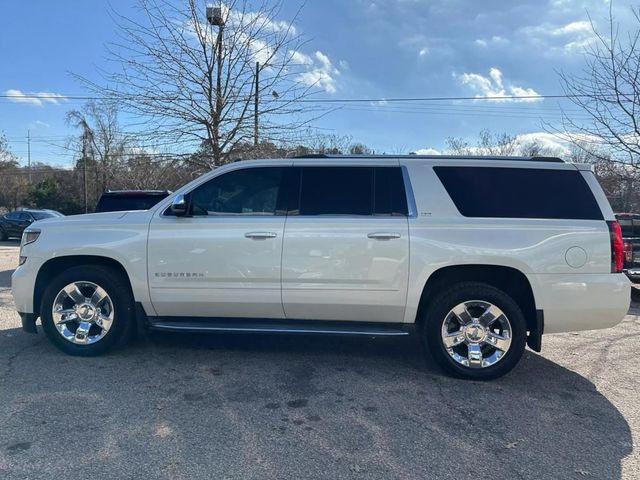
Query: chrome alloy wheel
[
  {"x": 476, "y": 334},
  {"x": 82, "y": 313}
]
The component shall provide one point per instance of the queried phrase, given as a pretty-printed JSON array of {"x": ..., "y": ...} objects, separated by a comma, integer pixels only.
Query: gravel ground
[{"x": 224, "y": 406}]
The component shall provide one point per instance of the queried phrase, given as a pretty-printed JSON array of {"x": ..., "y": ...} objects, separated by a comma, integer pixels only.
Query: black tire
[
  {"x": 118, "y": 289},
  {"x": 436, "y": 312},
  {"x": 3, "y": 235}
]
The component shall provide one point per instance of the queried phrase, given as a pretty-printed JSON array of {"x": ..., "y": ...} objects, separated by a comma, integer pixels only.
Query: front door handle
[
  {"x": 383, "y": 235},
  {"x": 260, "y": 235}
]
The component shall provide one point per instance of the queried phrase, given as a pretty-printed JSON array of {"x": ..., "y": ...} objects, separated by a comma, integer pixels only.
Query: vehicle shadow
[
  {"x": 12, "y": 242},
  {"x": 275, "y": 406},
  {"x": 5, "y": 278}
]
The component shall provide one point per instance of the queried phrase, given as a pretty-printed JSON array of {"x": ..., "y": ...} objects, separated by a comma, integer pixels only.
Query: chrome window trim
[{"x": 412, "y": 210}]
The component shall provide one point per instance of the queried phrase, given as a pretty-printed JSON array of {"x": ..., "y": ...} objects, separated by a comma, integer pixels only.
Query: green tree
[{"x": 49, "y": 194}]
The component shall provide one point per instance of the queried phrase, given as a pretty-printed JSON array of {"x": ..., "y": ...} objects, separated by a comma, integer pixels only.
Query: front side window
[{"x": 250, "y": 191}]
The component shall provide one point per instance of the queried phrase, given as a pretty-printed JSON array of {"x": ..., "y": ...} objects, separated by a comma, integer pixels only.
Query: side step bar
[{"x": 239, "y": 325}]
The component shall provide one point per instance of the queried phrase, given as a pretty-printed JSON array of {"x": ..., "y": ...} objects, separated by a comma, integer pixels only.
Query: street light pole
[{"x": 214, "y": 17}]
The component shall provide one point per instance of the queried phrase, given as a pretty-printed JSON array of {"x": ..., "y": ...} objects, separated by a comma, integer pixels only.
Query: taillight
[{"x": 617, "y": 247}]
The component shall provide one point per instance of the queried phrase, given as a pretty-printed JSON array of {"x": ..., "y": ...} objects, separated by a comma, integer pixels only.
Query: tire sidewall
[
  {"x": 437, "y": 312},
  {"x": 119, "y": 292}
]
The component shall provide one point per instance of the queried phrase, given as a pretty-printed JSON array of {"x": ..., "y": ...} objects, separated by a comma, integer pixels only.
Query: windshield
[{"x": 43, "y": 215}]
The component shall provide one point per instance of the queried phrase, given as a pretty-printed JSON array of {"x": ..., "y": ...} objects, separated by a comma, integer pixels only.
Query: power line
[{"x": 36, "y": 96}]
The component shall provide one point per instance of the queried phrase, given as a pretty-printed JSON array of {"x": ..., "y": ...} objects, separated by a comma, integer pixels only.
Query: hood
[{"x": 96, "y": 219}]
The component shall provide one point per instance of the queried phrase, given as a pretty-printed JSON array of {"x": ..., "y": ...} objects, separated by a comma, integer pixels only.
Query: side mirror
[{"x": 180, "y": 205}]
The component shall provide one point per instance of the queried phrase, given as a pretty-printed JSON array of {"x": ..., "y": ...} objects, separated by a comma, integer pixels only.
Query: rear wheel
[
  {"x": 474, "y": 330},
  {"x": 87, "y": 310}
]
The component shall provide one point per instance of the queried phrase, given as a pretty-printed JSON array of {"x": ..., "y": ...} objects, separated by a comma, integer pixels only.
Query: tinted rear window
[
  {"x": 519, "y": 193},
  {"x": 117, "y": 203}
]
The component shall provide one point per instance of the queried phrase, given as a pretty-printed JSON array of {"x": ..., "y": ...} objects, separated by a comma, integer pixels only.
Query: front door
[
  {"x": 224, "y": 259},
  {"x": 346, "y": 253}
]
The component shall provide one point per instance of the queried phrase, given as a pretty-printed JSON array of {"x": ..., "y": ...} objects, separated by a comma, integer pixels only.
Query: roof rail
[{"x": 439, "y": 157}]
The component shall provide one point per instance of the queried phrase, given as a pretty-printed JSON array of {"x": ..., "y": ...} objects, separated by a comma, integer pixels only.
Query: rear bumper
[
  {"x": 581, "y": 301},
  {"x": 633, "y": 274}
]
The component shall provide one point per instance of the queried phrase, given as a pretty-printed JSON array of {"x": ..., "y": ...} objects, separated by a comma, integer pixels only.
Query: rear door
[{"x": 346, "y": 246}]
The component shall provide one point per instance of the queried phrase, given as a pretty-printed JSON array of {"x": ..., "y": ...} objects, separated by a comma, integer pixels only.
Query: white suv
[{"x": 480, "y": 254}]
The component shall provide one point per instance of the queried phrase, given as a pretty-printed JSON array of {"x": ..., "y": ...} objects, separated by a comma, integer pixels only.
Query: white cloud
[
  {"x": 427, "y": 151},
  {"x": 322, "y": 73},
  {"x": 555, "y": 143},
  {"x": 379, "y": 103},
  {"x": 258, "y": 20},
  {"x": 36, "y": 98},
  {"x": 495, "y": 40},
  {"x": 39, "y": 124},
  {"x": 423, "y": 52},
  {"x": 569, "y": 38},
  {"x": 495, "y": 86},
  {"x": 572, "y": 28},
  {"x": 300, "y": 58}
]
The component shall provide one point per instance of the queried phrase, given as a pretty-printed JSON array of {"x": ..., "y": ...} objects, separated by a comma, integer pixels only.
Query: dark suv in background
[
  {"x": 630, "y": 226},
  {"x": 13, "y": 224},
  {"x": 125, "y": 200}
]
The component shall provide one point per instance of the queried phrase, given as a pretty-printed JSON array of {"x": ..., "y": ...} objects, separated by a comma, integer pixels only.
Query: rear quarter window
[{"x": 519, "y": 193}]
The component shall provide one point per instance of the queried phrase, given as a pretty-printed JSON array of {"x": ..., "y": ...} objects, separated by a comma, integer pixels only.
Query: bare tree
[
  {"x": 488, "y": 143},
  {"x": 13, "y": 181},
  {"x": 195, "y": 83},
  {"x": 608, "y": 91},
  {"x": 98, "y": 121}
]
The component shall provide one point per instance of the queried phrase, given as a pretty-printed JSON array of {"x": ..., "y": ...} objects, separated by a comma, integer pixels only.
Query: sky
[{"x": 355, "y": 49}]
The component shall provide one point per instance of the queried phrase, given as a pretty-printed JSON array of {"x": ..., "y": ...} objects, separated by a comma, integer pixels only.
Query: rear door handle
[
  {"x": 383, "y": 235},
  {"x": 260, "y": 235}
]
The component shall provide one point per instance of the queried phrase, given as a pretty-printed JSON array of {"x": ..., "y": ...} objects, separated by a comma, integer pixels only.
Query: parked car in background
[
  {"x": 13, "y": 223},
  {"x": 126, "y": 200},
  {"x": 478, "y": 256},
  {"x": 630, "y": 226}
]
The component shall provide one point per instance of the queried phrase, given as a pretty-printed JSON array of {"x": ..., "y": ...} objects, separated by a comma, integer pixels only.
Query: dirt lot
[{"x": 238, "y": 407}]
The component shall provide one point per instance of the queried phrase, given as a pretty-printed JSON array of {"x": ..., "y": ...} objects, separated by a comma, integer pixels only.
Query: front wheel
[
  {"x": 475, "y": 331},
  {"x": 3, "y": 235},
  {"x": 87, "y": 310}
]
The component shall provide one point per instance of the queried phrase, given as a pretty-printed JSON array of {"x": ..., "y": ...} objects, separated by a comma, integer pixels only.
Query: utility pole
[
  {"x": 29, "y": 154},
  {"x": 84, "y": 168},
  {"x": 255, "y": 109}
]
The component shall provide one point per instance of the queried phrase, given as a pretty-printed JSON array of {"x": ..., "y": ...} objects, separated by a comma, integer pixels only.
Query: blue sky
[{"x": 358, "y": 48}]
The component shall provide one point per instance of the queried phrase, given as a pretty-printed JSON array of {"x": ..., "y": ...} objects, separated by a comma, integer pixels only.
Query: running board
[{"x": 239, "y": 325}]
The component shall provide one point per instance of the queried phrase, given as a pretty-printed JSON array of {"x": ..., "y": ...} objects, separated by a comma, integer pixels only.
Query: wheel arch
[
  {"x": 508, "y": 279},
  {"x": 52, "y": 267}
]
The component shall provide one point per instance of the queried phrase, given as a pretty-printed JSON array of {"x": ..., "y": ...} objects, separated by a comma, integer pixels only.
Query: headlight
[{"x": 29, "y": 236}]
